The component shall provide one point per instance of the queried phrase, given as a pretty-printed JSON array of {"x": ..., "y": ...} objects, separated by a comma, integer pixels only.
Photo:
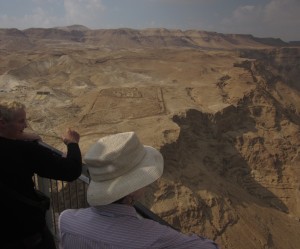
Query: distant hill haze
[
  {"x": 223, "y": 109},
  {"x": 132, "y": 38}
]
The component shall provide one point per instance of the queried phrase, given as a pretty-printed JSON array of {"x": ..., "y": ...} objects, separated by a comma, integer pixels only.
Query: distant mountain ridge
[{"x": 134, "y": 38}]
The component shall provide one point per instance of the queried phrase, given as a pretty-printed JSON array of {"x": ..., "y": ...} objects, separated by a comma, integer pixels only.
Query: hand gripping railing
[{"x": 140, "y": 208}]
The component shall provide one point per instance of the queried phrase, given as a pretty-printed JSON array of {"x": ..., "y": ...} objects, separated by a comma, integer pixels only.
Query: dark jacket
[{"x": 19, "y": 161}]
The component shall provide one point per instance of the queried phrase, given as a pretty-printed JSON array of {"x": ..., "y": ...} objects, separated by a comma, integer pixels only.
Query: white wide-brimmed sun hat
[{"x": 118, "y": 165}]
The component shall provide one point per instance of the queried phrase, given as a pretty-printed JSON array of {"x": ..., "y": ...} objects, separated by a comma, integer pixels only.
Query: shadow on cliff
[{"x": 215, "y": 153}]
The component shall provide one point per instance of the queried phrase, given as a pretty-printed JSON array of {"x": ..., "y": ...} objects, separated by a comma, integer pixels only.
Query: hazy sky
[{"x": 261, "y": 18}]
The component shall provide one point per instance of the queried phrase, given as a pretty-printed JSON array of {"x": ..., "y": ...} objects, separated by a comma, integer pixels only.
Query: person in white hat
[{"x": 120, "y": 167}]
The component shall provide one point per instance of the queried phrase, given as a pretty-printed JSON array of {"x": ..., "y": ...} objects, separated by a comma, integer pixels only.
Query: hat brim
[{"x": 145, "y": 173}]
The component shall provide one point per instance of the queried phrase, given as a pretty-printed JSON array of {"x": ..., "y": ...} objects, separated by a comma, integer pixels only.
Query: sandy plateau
[{"x": 225, "y": 114}]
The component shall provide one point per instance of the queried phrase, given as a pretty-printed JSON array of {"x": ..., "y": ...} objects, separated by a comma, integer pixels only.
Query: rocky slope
[{"x": 222, "y": 109}]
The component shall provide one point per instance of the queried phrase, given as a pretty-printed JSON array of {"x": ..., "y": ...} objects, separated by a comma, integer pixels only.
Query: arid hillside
[{"x": 224, "y": 110}]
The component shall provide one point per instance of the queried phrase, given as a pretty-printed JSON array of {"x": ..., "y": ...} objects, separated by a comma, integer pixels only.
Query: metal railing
[{"x": 63, "y": 195}]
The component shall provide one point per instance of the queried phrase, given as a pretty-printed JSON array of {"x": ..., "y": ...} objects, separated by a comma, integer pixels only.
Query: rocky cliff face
[{"x": 222, "y": 109}]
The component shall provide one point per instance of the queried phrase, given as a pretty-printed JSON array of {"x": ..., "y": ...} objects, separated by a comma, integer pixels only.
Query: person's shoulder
[
  {"x": 74, "y": 212},
  {"x": 19, "y": 144},
  {"x": 155, "y": 226},
  {"x": 67, "y": 215},
  {"x": 75, "y": 217},
  {"x": 70, "y": 211}
]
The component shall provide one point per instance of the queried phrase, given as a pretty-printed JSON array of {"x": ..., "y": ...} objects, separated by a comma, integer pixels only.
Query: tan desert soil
[{"x": 223, "y": 112}]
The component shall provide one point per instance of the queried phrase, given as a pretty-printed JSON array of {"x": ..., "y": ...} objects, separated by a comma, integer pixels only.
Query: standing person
[
  {"x": 120, "y": 168},
  {"x": 22, "y": 210}
]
